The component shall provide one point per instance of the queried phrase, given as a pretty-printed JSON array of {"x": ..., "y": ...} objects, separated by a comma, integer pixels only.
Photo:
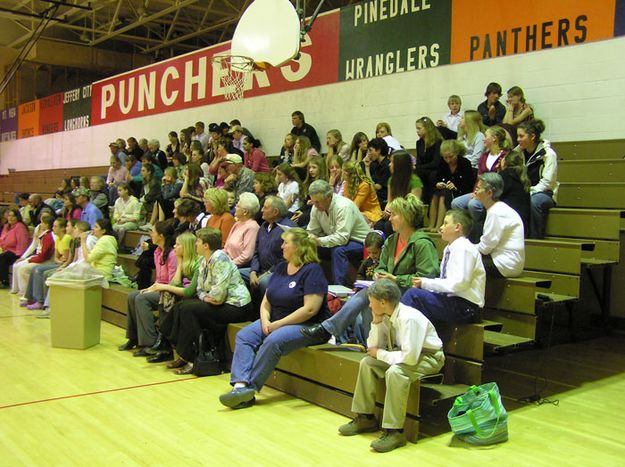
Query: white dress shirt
[
  {"x": 462, "y": 274},
  {"x": 504, "y": 239},
  {"x": 408, "y": 331}
]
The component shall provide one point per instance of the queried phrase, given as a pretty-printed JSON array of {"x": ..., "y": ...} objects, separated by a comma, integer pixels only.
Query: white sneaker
[
  {"x": 146, "y": 227},
  {"x": 44, "y": 314}
]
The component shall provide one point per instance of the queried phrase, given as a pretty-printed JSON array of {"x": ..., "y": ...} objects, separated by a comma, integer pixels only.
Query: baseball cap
[
  {"x": 81, "y": 191},
  {"x": 213, "y": 128},
  {"x": 236, "y": 128},
  {"x": 233, "y": 159}
]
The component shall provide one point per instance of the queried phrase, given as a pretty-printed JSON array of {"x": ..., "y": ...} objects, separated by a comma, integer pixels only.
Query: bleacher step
[{"x": 498, "y": 342}]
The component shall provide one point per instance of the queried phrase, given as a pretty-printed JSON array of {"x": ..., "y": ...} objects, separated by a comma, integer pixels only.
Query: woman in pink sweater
[
  {"x": 40, "y": 251},
  {"x": 241, "y": 241},
  {"x": 14, "y": 239}
]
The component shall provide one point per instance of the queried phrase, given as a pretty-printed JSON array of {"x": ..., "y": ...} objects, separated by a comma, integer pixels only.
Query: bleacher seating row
[{"x": 582, "y": 246}]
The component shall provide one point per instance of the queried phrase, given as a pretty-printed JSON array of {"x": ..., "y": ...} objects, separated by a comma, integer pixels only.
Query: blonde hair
[
  {"x": 189, "y": 253},
  {"x": 432, "y": 135},
  {"x": 502, "y": 137},
  {"x": 306, "y": 251},
  {"x": 218, "y": 197},
  {"x": 336, "y": 134},
  {"x": 410, "y": 208},
  {"x": 516, "y": 161},
  {"x": 355, "y": 176},
  {"x": 517, "y": 91},
  {"x": 454, "y": 98},
  {"x": 472, "y": 126},
  {"x": 304, "y": 147}
]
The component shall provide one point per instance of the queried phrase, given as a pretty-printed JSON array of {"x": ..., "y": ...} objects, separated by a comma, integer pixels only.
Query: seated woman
[
  {"x": 376, "y": 166},
  {"x": 316, "y": 171},
  {"x": 383, "y": 131},
  {"x": 453, "y": 178},
  {"x": 140, "y": 329},
  {"x": 407, "y": 253},
  {"x": 242, "y": 238},
  {"x": 216, "y": 204},
  {"x": 126, "y": 213},
  {"x": 428, "y": 154},
  {"x": 70, "y": 210},
  {"x": 117, "y": 175},
  {"x": 336, "y": 145},
  {"x": 288, "y": 186},
  {"x": 287, "y": 149},
  {"x": 496, "y": 146},
  {"x": 302, "y": 152},
  {"x": 36, "y": 290},
  {"x": 358, "y": 148},
  {"x": 471, "y": 134},
  {"x": 40, "y": 251},
  {"x": 296, "y": 296},
  {"x": 359, "y": 188},
  {"x": 14, "y": 240},
  {"x": 194, "y": 184},
  {"x": 516, "y": 186},
  {"x": 103, "y": 256},
  {"x": 254, "y": 158},
  {"x": 517, "y": 110},
  {"x": 542, "y": 169},
  {"x": 222, "y": 298},
  {"x": 401, "y": 183},
  {"x": 151, "y": 191},
  {"x": 182, "y": 286},
  {"x": 335, "y": 173},
  {"x": 264, "y": 185}
]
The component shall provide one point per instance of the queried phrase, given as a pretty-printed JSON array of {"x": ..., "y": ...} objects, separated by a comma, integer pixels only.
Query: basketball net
[{"x": 236, "y": 68}]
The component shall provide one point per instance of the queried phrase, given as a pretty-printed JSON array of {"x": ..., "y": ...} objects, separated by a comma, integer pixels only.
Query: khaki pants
[{"x": 398, "y": 380}]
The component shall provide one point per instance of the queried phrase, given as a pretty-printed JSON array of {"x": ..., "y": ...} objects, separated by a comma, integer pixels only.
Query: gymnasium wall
[{"x": 579, "y": 90}]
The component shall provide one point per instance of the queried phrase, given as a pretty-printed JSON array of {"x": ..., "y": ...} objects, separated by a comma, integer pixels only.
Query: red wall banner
[
  {"x": 193, "y": 80},
  {"x": 51, "y": 114}
]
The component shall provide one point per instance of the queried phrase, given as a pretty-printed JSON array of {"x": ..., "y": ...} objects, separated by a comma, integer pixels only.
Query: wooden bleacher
[{"x": 578, "y": 254}]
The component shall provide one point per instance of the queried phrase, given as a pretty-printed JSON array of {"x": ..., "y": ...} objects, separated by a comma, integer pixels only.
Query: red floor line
[{"x": 73, "y": 396}]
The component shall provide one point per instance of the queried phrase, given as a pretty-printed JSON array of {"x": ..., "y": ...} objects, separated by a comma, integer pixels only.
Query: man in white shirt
[
  {"x": 458, "y": 294},
  {"x": 503, "y": 240},
  {"x": 338, "y": 227},
  {"x": 402, "y": 347}
]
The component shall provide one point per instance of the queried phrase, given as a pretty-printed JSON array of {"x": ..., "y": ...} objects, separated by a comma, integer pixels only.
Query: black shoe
[
  {"x": 316, "y": 331},
  {"x": 142, "y": 352},
  {"x": 162, "y": 356},
  {"x": 128, "y": 345},
  {"x": 157, "y": 344}
]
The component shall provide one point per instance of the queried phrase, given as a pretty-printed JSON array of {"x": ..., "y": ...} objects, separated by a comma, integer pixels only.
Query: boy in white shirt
[
  {"x": 402, "y": 347},
  {"x": 458, "y": 294},
  {"x": 503, "y": 239}
]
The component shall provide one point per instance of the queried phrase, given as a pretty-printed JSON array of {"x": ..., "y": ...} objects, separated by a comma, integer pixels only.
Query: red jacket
[{"x": 46, "y": 250}]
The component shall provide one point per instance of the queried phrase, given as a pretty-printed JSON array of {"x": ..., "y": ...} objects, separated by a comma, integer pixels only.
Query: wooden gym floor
[{"x": 104, "y": 407}]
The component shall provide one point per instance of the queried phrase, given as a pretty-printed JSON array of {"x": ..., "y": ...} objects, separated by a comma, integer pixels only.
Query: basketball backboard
[{"x": 268, "y": 31}]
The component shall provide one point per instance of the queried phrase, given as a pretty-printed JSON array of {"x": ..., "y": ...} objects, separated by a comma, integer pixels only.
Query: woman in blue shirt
[{"x": 296, "y": 296}]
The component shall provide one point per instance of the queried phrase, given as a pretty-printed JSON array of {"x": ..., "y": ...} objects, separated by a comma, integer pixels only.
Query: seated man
[
  {"x": 402, "y": 347},
  {"x": 337, "y": 227},
  {"x": 503, "y": 241},
  {"x": 458, "y": 294},
  {"x": 268, "y": 251}
]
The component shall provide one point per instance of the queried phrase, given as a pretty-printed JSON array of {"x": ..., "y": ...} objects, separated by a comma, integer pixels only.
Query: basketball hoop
[{"x": 236, "y": 67}]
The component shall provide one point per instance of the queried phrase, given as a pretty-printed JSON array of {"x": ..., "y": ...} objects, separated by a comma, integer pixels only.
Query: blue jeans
[
  {"x": 348, "y": 314},
  {"x": 476, "y": 211},
  {"x": 542, "y": 202},
  {"x": 439, "y": 307},
  {"x": 36, "y": 282},
  {"x": 256, "y": 355},
  {"x": 340, "y": 256}
]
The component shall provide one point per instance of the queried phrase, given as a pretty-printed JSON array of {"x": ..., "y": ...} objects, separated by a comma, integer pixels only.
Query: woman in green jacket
[{"x": 406, "y": 254}]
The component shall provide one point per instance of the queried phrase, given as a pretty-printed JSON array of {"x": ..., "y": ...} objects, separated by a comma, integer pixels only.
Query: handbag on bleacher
[
  {"x": 479, "y": 417},
  {"x": 207, "y": 362}
]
